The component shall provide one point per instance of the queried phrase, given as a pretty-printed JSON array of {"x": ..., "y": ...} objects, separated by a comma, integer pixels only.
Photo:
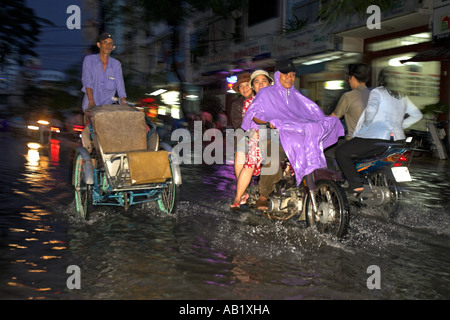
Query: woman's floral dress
[{"x": 253, "y": 158}]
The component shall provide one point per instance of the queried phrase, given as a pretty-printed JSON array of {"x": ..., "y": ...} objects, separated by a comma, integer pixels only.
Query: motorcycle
[
  {"x": 383, "y": 175},
  {"x": 319, "y": 200}
]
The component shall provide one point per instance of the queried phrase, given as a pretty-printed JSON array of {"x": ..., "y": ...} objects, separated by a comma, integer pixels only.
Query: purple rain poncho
[{"x": 304, "y": 129}]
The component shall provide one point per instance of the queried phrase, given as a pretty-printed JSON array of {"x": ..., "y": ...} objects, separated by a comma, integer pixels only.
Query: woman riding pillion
[{"x": 252, "y": 162}]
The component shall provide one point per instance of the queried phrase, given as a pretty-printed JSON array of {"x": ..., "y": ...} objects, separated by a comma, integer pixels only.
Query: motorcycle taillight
[
  {"x": 55, "y": 129},
  {"x": 403, "y": 160},
  {"x": 78, "y": 128}
]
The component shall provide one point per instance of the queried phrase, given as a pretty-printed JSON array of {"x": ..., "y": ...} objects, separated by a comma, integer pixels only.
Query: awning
[{"x": 433, "y": 54}]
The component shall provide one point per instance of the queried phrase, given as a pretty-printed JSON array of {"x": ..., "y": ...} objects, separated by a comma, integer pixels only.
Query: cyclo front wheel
[
  {"x": 83, "y": 191},
  {"x": 332, "y": 215}
]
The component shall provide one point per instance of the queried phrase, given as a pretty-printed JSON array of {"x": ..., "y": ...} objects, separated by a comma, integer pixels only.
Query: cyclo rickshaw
[{"x": 124, "y": 164}]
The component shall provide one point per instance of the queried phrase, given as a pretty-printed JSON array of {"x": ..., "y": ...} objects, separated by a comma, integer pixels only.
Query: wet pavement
[{"x": 205, "y": 251}]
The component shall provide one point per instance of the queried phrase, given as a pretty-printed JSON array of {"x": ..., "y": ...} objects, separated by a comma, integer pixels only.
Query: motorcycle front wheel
[{"x": 332, "y": 213}]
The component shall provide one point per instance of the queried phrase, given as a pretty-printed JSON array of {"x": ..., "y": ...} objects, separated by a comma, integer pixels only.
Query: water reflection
[
  {"x": 32, "y": 248},
  {"x": 34, "y": 241},
  {"x": 54, "y": 152},
  {"x": 33, "y": 155},
  {"x": 203, "y": 251}
]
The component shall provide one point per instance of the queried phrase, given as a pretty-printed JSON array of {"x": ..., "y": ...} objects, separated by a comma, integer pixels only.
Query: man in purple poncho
[{"x": 304, "y": 129}]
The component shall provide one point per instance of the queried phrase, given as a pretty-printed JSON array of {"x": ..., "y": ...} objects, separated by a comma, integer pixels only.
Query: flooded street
[{"x": 204, "y": 250}]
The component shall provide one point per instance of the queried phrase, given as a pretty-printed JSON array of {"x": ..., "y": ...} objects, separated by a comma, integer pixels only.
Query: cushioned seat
[
  {"x": 119, "y": 128},
  {"x": 121, "y": 135},
  {"x": 148, "y": 166}
]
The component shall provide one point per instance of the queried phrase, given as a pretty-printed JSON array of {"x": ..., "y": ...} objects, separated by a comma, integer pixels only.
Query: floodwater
[{"x": 204, "y": 251}]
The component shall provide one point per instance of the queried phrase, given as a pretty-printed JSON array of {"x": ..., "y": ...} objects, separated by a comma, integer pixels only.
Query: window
[
  {"x": 261, "y": 10},
  {"x": 199, "y": 44},
  {"x": 238, "y": 34}
]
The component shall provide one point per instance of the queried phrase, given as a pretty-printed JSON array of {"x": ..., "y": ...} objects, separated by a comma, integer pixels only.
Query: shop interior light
[
  {"x": 230, "y": 88},
  {"x": 232, "y": 79},
  {"x": 157, "y": 92},
  {"x": 307, "y": 63},
  {"x": 171, "y": 97},
  {"x": 162, "y": 110},
  {"x": 400, "y": 41},
  {"x": 425, "y": 35},
  {"x": 324, "y": 59},
  {"x": 175, "y": 113},
  {"x": 396, "y": 62},
  {"x": 334, "y": 85}
]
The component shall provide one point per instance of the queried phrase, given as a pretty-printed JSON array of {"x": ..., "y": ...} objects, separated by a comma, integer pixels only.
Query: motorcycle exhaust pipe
[
  {"x": 274, "y": 204},
  {"x": 284, "y": 204}
]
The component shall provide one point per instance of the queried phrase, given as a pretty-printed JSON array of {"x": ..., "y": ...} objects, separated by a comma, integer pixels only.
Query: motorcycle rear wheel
[
  {"x": 380, "y": 179},
  {"x": 332, "y": 216}
]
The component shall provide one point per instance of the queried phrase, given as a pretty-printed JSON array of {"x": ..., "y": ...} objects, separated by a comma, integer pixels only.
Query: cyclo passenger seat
[{"x": 120, "y": 132}]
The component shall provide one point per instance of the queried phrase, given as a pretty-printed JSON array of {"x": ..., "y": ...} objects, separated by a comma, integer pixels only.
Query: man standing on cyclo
[{"x": 102, "y": 78}]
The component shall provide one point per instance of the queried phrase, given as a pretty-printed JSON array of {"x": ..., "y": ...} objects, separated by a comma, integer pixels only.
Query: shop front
[
  {"x": 419, "y": 80},
  {"x": 323, "y": 77},
  {"x": 320, "y": 64},
  {"x": 215, "y": 71}
]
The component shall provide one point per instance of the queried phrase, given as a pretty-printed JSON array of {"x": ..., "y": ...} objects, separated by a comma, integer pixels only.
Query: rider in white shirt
[{"x": 382, "y": 121}]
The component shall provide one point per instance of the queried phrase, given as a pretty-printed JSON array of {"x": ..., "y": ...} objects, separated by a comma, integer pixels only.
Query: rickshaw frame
[{"x": 104, "y": 177}]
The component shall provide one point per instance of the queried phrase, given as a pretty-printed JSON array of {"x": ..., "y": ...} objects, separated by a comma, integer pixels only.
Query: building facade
[{"x": 211, "y": 50}]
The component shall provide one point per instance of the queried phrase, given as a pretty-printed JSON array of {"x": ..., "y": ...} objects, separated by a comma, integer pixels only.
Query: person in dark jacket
[{"x": 242, "y": 86}]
